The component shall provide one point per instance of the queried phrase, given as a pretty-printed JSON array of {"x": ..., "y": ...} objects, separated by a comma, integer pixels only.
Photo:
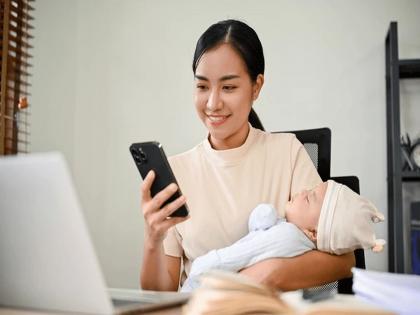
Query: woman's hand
[
  {"x": 263, "y": 271},
  {"x": 157, "y": 217},
  {"x": 308, "y": 270}
]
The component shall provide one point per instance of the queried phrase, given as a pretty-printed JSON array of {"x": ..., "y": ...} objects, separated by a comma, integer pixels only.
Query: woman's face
[{"x": 223, "y": 96}]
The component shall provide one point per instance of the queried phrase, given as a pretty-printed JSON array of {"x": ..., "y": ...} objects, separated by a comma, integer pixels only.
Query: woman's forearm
[
  {"x": 310, "y": 269},
  {"x": 155, "y": 271}
]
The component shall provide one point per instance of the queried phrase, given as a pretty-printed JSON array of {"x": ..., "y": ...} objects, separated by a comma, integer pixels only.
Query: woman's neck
[{"x": 231, "y": 142}]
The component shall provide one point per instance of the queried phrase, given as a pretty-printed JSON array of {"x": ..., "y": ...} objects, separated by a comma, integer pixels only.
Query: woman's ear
[
  {"x": 259, "y": 82},
  {"x": 311, "y": 234}
]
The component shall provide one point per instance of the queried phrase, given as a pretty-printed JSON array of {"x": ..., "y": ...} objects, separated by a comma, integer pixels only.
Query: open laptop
[{"x": 47, "y": 260}]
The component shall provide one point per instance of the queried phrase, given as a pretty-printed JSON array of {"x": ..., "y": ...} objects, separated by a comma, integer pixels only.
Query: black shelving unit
[{"x": 396, "y": 69}]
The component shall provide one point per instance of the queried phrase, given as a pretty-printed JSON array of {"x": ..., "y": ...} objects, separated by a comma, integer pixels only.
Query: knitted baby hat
[{"x": 346, "y": 221}]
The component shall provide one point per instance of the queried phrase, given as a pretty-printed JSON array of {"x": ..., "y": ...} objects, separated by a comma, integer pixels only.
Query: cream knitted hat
[{"x": 345, "y": 221}]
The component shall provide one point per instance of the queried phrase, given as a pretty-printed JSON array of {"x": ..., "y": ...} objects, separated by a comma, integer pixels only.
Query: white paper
[{"x": 396, "y": 292}]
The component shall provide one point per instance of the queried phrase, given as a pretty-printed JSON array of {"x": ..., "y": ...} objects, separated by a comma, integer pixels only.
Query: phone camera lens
[
  {"x": 136, "y": 156},
  {"x": 142, "y": 155}
]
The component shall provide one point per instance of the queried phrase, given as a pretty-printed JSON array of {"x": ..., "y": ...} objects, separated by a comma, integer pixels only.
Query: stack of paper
[{"x": 397, "y": 292}]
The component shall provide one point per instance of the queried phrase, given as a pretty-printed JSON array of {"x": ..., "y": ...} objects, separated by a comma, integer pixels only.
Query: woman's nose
[{"x": 214, "y": 101}]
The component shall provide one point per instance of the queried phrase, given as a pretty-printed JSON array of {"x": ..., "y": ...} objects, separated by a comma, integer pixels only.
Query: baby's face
[{"x": 304, "y": 208}]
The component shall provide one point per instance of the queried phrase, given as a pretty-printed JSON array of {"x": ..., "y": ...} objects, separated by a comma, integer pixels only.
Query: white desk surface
[{"x": 349, "y": 304}]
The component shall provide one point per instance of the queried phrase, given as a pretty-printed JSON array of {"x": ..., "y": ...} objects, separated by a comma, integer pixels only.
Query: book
[{"x": 226, "y": 293}]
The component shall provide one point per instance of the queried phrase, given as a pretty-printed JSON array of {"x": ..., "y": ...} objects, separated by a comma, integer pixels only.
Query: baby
[{"x": 330, "y": 217}]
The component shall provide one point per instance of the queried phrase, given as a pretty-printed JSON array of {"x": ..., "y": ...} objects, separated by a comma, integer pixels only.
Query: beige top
[{"x": 222, "y": 187}]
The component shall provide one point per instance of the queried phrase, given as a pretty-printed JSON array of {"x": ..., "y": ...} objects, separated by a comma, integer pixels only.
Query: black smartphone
[{"x": 150, "y": 156}]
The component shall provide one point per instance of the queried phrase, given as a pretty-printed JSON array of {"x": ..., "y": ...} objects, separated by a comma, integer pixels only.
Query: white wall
[{"x": 108, "y": 73}]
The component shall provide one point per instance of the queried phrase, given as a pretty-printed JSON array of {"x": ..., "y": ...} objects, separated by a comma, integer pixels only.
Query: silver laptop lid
[{"x": 47, "y": 260}]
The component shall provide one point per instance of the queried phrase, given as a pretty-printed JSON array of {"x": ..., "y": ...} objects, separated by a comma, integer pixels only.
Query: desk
[
  {"x": 8, "y": 311},
  {"x": 340, "y": 301}
]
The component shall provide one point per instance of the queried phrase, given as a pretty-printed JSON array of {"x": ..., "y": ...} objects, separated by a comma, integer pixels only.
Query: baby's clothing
[{"x": 268, "y": 237}]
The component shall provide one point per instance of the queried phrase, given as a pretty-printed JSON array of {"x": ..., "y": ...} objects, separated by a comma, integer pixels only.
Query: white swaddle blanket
[{"x": 268, "y": 237}]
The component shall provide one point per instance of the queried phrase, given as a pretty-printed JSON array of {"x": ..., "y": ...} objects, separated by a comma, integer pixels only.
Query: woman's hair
[{"x": 244, "y": 40}]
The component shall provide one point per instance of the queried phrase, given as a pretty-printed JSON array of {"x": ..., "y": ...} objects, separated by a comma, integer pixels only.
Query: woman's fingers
[
  {"x": 172, "y": 207},
  {"x": 158, "y": 227},
  {"x": 147, "y": 184},
  {"x": 163, "y": 195},
  {"x": 170, "y": 222},
  {"x": 155, "y": 217}
]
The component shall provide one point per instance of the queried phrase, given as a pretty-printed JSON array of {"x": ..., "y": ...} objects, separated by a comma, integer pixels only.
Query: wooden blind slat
[
  {"x": 22, "y": 3},
  {"x": 16, "y": 72},
  {"x": 21, "y": 22},
  {"x": 18, "y": 141},
  {"x": 23, "y": 132},
  {"x": 17, "y": 51},
  {"x": 20, "y": 13},
  {"x": 22, "y": 32},
  {"x": 10, "y": 118},
  {"x": 13, "y": 60},
  {"x": 18, "y": 40},
  {"x": 11, "y": 99}
]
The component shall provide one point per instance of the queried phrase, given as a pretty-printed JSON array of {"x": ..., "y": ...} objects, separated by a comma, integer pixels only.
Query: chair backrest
[{"x": 317, "y": 143}]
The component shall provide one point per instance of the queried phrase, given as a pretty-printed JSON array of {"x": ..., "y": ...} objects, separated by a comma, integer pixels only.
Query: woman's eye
[
  {"x": 201, "y": 87},
  {"x": 229, "y": 87}
]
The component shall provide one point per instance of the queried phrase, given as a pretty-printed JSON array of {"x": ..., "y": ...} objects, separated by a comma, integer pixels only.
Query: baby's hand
[{"x": 262, "y": 217}]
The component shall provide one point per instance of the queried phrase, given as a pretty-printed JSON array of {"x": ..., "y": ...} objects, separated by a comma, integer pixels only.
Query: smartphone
[{"x": 150, "y": 156}]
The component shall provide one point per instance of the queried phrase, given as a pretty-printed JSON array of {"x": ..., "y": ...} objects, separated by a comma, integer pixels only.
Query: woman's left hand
[{"x": 308, "y": 270}]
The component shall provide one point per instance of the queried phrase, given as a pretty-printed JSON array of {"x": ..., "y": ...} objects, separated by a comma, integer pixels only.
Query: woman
[{"x": 229, "y": 173}]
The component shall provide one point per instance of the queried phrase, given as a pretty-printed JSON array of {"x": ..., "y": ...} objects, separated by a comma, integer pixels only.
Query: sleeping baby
[{"x": 330, "y": 217}]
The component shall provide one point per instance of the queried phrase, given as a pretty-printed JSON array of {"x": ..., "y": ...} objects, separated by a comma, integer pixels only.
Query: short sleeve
[
  {"x": 172, "y": 243},
  {"x": 304, "y": 173}
]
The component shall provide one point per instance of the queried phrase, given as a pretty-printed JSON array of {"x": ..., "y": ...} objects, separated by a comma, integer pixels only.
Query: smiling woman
[
  {"x": 224, "y": 95},
  {"x": 224, "y": 177}
]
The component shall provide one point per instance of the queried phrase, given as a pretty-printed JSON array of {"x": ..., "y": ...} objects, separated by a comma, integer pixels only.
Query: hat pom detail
[
  {"x": 379, "y": 245},
  {"x": 378, "y": 217}
]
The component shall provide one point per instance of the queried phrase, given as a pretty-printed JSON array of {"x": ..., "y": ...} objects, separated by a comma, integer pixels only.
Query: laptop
[{"x": 47, "y": 259}]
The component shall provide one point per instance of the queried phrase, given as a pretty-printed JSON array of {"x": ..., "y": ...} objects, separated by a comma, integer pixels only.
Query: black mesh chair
[{"x": 317, "y": 143}]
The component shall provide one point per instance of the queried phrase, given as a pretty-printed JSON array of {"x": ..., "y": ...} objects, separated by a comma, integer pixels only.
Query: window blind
[{"x": 15, "y": 35}]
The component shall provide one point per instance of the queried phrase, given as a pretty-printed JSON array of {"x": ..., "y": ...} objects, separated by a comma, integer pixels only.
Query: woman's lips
[{"x": 217, "y": 120}]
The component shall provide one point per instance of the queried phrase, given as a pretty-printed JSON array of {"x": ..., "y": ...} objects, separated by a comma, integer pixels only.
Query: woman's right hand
[{"x": 156, "y": 217}]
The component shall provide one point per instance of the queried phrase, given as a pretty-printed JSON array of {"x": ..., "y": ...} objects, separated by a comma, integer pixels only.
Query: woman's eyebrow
[
  {"x": 200, "y": 77},
  {"x": 224, "y": 78},
  {"x": 229, "y": 77}
]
